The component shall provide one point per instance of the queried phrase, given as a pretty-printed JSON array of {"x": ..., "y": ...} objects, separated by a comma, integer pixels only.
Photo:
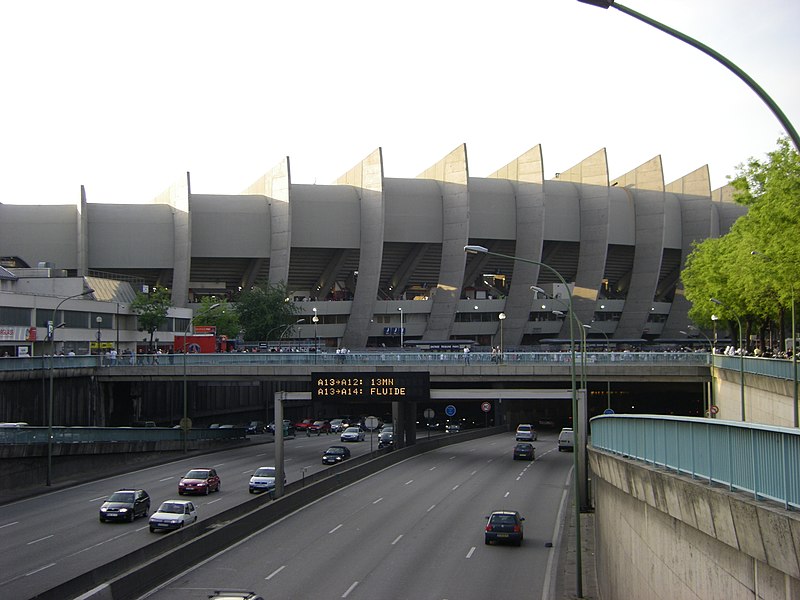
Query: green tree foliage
[
  {"x": 224, "y": 316},
  {"x": 264, "y": 312},
  {"x": 755, "y": 267},
  {"x": 151, "y": 309}
]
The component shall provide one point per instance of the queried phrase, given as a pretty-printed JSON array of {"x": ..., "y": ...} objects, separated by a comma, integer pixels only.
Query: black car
[
  {"x": 125, "y": 505},
  {"x": 504, "y": 526},
  {"x": 523, "y": 451},
  {"x": 255, "y": 427},
  {"x": 335, "y": 454},
  {"x": 386, "y": 438}
]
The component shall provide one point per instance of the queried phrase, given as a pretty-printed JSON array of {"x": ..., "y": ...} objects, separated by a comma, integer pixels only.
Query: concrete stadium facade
[{"x": 378, "y": 260}]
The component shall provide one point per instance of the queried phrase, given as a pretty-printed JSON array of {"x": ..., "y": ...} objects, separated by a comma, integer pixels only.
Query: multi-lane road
[
  {"x": 414, "y": 530},
  {"x": 411, "y": 531}
]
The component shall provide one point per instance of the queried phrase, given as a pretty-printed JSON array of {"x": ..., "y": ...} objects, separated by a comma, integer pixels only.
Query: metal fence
[
  {"x": 23, "y": 434},
  {"x": 758, "y": 459},
  {"x": 44, "y": 363},
  {"x": 769, "y": 367}
]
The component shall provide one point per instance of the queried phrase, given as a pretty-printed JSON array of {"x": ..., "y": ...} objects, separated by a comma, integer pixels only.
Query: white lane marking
[
  {"x": 378, "y": 500},
  {"x": 431, "y": 508},
  {"x": 212, "y": 502},
  {"x": 518, "y": 478},
  {"x": 98, "y": 498},
  {"x": 40, "y": 569},
  {"x": 350, "y": 589},
  {"x": 9, "y": 524},
  {"x": 451, "y": 458},
  {"x": 166, "y": 479},
  {"x": 522, "y": 473},
  {"x": 275, "y": 572},
  {"x": 473, "y": 473},
  {"x": 471, "y": 550},
  {"x": 218, "y": 465},
  {"x": 335, "y": 528},
  {"x": 47, "y": 537},
  {"x": 397, "y": 539},
  {"x": 142, "y": 528},
  {"x": 455, "y": 487},
  {"x": 408, "y": 482},
  {"x": 263, "y": 454},
  {"x": 507, "y": 494},
  {"x": 431, "y": 469},
  {"x": 246, "y": 472},
  {"x": 490, "y": 460}
]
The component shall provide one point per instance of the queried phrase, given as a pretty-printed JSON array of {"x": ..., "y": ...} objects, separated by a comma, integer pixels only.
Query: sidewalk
[{"x": 566, "y": 587}]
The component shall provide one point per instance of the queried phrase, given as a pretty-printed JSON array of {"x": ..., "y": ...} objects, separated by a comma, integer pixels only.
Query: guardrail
[
  {"x": 388, "y": 358},
  {"x": 759, "y": 459},
  {"x": 768, "y": 367},
  {"x": 87, "y": 435}
]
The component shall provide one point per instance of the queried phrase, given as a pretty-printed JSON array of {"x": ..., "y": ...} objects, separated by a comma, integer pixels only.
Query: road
[
  {"x": 54, "y": 537},
  {"x": 411, "y": 531}
]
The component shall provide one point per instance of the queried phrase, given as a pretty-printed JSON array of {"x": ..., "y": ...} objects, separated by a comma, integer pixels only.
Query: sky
[{"x": 124, "y": 98}]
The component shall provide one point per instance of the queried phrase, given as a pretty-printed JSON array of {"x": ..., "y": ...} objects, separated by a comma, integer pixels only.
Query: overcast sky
[{"x": 125, "y": 98}]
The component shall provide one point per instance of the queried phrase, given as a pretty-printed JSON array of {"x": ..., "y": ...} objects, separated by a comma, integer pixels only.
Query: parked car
[
  {"x": 199, "y": 481},
  {"x": 525, "y": 433},
  {"x": 288, "y": 427},
  {"x": 263, "y": 480},
  {"x": 255, "y": 427},
  {"x": 125, "y": 505},
  {"x": 173, "y": 514},
  {"x": 319, "y": 427},
  {"x": 338, "y": 425},
  {"x": 524, "y": 451},
  {"x": 335, "y": 454},
  {"x": 504, "y": 526},
  {"x": 566, "y": 439},
  {"x": 303, "y": 425},
  {"x": 352, "y": 434}
]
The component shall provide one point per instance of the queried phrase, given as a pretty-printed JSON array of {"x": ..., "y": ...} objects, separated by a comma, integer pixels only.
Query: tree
[
  {"x": 264, "y": 311},
  {"x": 755, "y": 268},
  {"x": 224, "y": 317},
  {"x": 151, "y": 309}
]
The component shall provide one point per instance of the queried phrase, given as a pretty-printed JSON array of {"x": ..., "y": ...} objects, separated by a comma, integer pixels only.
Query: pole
[
  {"x": 402, "y": 341},
  {"x": 50, "y": 399},
  {"x": 185, "y": 421},
  {"x": 741, "y": 352},
  {"x": 575, "y": 424},
  {"x": 794, "y": 367}
]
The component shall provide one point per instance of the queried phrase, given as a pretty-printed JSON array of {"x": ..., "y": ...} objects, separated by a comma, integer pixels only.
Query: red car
[
  {"x": 304, "y": 424},
  {"x": 320, "y": 427},
  {"x": 199, "y": 481}
]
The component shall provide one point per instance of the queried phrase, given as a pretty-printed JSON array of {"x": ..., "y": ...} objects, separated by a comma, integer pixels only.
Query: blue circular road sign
[{"x": 450, "y": 410}]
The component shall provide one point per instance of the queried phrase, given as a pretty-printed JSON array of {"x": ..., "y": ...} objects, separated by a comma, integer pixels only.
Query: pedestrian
[{"x": 466, "y": 354}]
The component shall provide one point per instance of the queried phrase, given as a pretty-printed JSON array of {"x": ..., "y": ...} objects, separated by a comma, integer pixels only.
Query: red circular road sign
[
  {"x": 714, "y": 409},
  {"x": 486, "y": 407}
]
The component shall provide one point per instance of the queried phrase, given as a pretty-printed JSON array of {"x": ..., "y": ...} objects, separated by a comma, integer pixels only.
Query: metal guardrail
[
  {"x": 376, "y": 359},
  {"x": 759, "y": 459},
  {"x": 86, "y": 435},
  {"x": 768, "y": 367}
]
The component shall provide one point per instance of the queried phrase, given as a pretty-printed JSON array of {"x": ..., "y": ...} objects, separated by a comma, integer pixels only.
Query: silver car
[
  {"x": 263, "y": 480},
  {"x": 173, "y": 514},
  {"x": 352, "y": 434}
]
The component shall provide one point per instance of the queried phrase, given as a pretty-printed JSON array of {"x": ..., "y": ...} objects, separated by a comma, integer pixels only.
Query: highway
[
  {"x": 56, "y": 536},
  {"x": 411, "y": 531}
]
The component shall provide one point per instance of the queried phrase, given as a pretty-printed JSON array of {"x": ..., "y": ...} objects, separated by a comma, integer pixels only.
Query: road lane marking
[
  {"x": 520, "y": 477},
  {"x": 350, "y": 589},
  {"x": 431, "y": 469},
  {"x": 9, "y": 524},
  {"x": 409, "y": 481},
  {"x": 431, "y": 508},
  {"x": 275, "y": 572},
  {"x": 40, "y": 569},
  {"x": 47, "y": 537},
  {"x": 218, "y": 465},
  {"x": 246, "y": 472},
  {"x": 335, "y": 528},
  {"x": 263, "y": 454},
  {"x": 451, "y": 458},
  {"x": 378, "y": 500},
  {"x": 473, "y": 473},
  {"x": 98, "y": 498},
  {"x": 142, "y": 528},
  {"x": 166, "y": 479},
  {"x": 507, "y": 495},
  {"x": 212, "y": 502},
  {"x": 397, "y": 539},
  {"x": 455, "y": 487},
  {"x": 471, "y": 551}
]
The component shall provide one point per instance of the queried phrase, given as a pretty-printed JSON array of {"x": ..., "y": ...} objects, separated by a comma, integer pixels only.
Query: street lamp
[
  {"x": 315, "y": 320},
  {"x": 575, "y": 423},
  {"x": 400, "y": 308},
  {"x": 608, "y": 383},
  {"x": 185, "y": 425},
  {"x": 713, "y": 54},
  {"x": 99, "y": 321},
  {"x": 287, "y": 328},
  {"x": 501, "y": 317},
  {"x": 50, "y": 400},
  {"x": 741, "y": 352}
]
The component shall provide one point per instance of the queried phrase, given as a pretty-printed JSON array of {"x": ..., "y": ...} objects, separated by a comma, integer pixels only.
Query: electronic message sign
[{"x": 392, "y": 386}]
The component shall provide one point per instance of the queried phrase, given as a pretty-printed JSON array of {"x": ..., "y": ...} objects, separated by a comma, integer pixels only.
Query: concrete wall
[
  {"x": 660, "y": 536},
  {"x": 768, "y": 400}
]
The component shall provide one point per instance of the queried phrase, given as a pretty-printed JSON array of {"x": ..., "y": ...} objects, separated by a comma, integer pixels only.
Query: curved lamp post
[
  {"x": 185, "y": 426},
  {"x": 400, "y": 308},
  {"x": 741, "y": 352},
  {"x": 713, "y": 54},
  {"x": 501, "y": 317},
  {"x": 575, "y": 424},
  {"x": 50, "y": 399}
]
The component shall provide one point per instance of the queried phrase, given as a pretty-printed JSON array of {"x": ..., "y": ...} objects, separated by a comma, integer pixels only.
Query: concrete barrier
[{"x": 138, "y": 572}]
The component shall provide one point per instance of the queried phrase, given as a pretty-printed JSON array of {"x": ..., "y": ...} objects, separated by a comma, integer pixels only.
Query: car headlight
[
  {"x": 103, "y": 509},
  {"x": 123, "y": 510}
]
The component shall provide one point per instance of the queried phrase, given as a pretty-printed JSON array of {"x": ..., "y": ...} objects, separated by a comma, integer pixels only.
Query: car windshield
[
  {"x": 352, "y": 430},
  {"x": 265, "y": 472},
  {"x": 319, "y": 422},
  {"x": 504, "y": 520},
  {"x": 334, "y": 451},
  {"x": 196, "y": 474},
  {"x": 121, "y": 497},
  {"x": 524, "y": 428},
  {"x": 171, "y": 507},
  {"x": 524, "y": 446}
]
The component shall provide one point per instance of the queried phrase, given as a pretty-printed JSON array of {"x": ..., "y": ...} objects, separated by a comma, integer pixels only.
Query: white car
[
  {"x": 352, "y": 434},
  {"x": 525, "y": 433},
  {"x": 263, "y": 480},
  {"x": 566, "y": 440},
  {"x": 173, "y": 514}
]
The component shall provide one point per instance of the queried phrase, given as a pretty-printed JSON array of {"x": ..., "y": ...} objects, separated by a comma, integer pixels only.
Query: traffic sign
[
  {"x": 428, "y": 414},
  {"x": 608, "y": 411},
  {"x": 450, "y": 410},
  {"x": 186, "y": 423},
  {"x": 486, "y": 406},
  {"x": 371, "y": 423},
  {"x": 714, "y": 409}
]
